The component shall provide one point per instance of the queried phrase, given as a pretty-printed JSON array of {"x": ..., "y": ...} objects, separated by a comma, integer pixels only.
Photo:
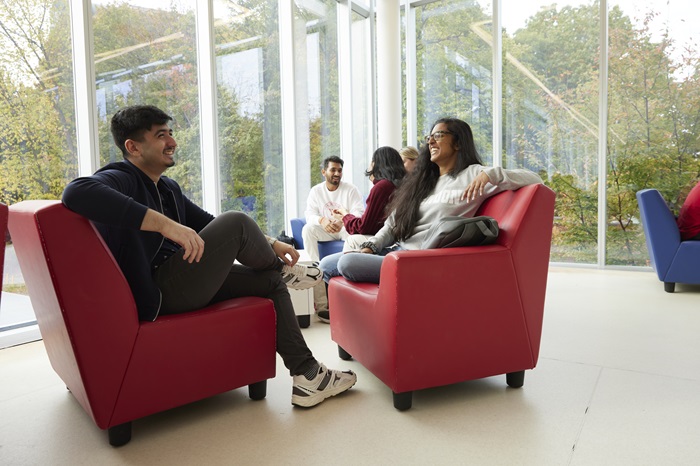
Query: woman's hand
[
  {"x": 366, "y": 251},
  {"x": 476, "y": 187},
  {"x": 338, "y": 214},
  {"x": 286, "y": 252}
]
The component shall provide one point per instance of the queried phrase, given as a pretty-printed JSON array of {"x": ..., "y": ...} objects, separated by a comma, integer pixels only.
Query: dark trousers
[{"x": 235, "y": 236}]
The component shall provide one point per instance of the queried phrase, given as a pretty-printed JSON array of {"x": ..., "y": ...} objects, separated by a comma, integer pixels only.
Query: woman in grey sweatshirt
[{"x": 448, "y": 180}]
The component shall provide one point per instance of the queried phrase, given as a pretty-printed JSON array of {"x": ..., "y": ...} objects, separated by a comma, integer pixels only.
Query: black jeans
[{"x": 235, "y": 236}]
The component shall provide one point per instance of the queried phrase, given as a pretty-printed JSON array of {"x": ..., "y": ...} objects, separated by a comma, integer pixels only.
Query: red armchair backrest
[
  {"x": 83, "y": 305},
  {"x": 3, "y": 227}
]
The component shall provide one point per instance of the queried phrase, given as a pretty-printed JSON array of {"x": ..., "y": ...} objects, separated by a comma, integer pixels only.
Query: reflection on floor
[{"x": 618, "y": 383}]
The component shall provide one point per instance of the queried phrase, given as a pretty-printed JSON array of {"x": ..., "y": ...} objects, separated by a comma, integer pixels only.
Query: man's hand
[
  {"x": 286, "y": 252},
  {"x": 331, "y": 226},
  {"x": 476, "y": 187},
  {"x": 185, "y": 236}
]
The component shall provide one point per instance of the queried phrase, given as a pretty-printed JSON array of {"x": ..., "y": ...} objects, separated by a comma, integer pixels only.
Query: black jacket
[{"x": 116, "y": 199}]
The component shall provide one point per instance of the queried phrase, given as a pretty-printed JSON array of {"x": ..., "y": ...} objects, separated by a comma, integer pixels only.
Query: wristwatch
[{"x": 270, "y": 240}]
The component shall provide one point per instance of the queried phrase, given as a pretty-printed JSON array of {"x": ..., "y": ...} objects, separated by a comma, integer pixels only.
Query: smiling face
[
  {"x": 333, "y": 174},
  {"x": 154, "y": 153},
  {"x": 443, "y": 150}
]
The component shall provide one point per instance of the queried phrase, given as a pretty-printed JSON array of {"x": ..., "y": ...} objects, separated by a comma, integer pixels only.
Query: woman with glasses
[{"x": 448, "y": 180}]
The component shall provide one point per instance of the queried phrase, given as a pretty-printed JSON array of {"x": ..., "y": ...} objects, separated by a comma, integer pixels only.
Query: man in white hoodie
[{"x": 323, "y": 199}]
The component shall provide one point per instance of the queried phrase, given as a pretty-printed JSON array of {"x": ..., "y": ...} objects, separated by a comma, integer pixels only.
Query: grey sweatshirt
[{"x": 444, "y": 201}]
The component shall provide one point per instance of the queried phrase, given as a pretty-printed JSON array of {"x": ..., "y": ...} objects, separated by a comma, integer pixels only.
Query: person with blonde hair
[{"x": 409, "y": 154}]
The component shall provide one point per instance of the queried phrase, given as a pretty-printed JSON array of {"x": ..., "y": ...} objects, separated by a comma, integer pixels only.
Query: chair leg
[
  {"x": 257, "y": 390},
  {"x": 119, "y": 435},
  {"x": 669, "y": 287},
  {"x": 344, "y": 355},
  {"x": 403, "y": 401},
  {"x": 304, "y": 321},
  {"x": 515, "y": 379}
]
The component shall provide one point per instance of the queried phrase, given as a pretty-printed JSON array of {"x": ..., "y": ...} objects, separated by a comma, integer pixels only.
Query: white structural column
[
  {"x": 85, "y": 93},
  {"x": 208, "y": 121},
  {"x": 345, "y": 87},
  {"x": 389, "y": 73},
  {"x": 295, "y": 174},
  {"x": 497, "y": 81},
  {"x": 603, "y": 136},
  {"x": 412, "y": 131}
]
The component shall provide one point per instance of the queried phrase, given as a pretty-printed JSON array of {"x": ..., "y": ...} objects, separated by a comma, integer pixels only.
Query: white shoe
[
  {"x": 301, "y": 277},
  {"x": 327, "y": 383}
]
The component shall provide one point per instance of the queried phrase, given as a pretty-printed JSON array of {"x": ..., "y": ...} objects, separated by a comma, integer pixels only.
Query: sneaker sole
[
  {"x": 323, "y": 319},
  {"x": 313, "y": 400},
  {"x": 303, "y": 286}
]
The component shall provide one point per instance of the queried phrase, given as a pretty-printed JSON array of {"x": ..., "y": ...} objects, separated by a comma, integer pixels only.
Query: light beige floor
[{"x": 618, "y": 383}]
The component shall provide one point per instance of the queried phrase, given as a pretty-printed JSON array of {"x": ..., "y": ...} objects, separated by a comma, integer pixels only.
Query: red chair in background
[
  {"x": 120, "y": 369},
  {"x": 443, "y": 316},
  {"x": 3, "y": 227}
]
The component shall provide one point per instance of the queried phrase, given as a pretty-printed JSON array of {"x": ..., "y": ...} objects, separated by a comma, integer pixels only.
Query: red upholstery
[
  {"x": 118, "y": 368},
  {"x": 442, "y": 316},
  {"x": 3, "y": 228}
]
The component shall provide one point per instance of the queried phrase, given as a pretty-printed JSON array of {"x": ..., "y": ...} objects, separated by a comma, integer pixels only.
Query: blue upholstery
[
  {"x": 297, "y": 226},
  {"x": 325, "y": 248},
  {"x": 673, "y": 260}
]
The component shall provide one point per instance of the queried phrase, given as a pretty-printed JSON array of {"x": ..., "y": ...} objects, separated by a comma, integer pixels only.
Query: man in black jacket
[{"x": 177, "y": 257}]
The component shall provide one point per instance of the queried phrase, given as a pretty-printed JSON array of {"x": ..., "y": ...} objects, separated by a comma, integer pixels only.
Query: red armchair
[
  {"x": 3, "y": 228},
  {"x": 443, "y": 316},
  {"x": 120, "y": 369}
]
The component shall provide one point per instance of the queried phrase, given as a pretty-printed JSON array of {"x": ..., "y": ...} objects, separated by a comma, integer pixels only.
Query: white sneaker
[
  {"x": 327, "y": 383},
  {"x": 301, "y": 277}
]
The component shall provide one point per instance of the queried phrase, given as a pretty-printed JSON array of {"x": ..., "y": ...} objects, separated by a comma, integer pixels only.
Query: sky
[{"x": 673, "y": 13}]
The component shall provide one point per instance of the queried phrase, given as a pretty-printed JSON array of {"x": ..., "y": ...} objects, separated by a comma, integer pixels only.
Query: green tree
[
  {"x": 652, "y": 129},
  {"x": 453, "y": 63},
  {"x": 37, "y": 130}
]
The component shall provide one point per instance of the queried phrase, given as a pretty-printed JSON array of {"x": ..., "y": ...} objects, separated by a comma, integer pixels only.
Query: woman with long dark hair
[
  {"x": 448, "y": 180},
  {"x": 386, "y": 170}
]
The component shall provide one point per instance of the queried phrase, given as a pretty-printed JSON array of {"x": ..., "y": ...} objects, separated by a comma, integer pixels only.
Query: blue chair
[
  {"x": 325, "y": 248},
  {"x": 673, "y": 260}
]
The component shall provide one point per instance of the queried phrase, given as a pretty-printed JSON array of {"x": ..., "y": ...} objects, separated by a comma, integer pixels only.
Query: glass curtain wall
[
  {"x": 249, "y": 112},
  {"x": 654, "y": 115},
  {"x": 551, "y": 99},
  {"x": 362, "y": 100},
  {"x": 37, "y": 123},
  {"x": 454, "y": 67},
  {"x": 317, "y": 96},
  {"x": 147, "y": 55},
  {"x": 550, "y": 112}
]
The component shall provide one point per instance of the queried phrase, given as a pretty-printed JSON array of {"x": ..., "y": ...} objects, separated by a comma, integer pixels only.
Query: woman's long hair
[
  {"x": 420, "y": 182},
  {"x": 387, "y": 165}
]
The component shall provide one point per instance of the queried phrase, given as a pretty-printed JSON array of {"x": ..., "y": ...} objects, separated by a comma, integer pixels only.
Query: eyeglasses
[{"x": 437, "y": 135}]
